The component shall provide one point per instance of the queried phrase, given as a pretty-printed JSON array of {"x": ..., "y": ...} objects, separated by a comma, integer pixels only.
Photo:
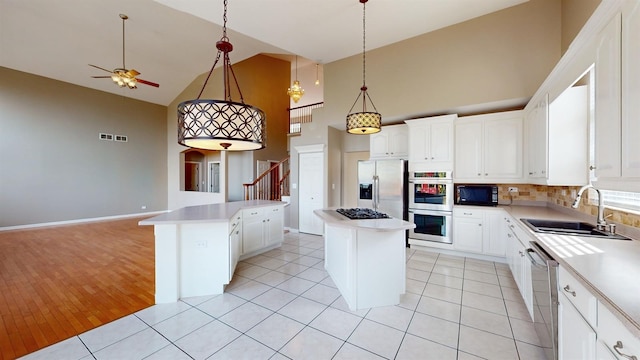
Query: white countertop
[
  {"x": 221, "y": 212},
  {"x": 330, "y": 216},
  {"x": 609, "y": 268}
]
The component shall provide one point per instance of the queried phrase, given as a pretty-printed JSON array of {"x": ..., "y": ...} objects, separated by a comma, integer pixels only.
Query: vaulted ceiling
[{"x": 173, "y": 41}]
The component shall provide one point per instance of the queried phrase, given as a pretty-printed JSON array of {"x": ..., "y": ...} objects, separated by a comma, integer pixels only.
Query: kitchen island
[
  {"x": 197, "y": 247},
  {"x": 366, "y": 259}
]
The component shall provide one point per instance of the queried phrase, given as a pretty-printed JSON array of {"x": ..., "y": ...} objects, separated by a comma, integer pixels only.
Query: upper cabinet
[
  {"x": 390, "y": 143},
  {"x": 617, "y": 95},
  {"x": 488, "y": 148},
  {"x": 557, "y": 139},
  {"x": 431, "y": 143}
]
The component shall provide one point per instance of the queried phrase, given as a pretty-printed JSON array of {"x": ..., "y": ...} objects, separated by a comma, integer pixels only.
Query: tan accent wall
[
  {"x": 494, "y": 58},
  {"x": 575, "y": 14}
]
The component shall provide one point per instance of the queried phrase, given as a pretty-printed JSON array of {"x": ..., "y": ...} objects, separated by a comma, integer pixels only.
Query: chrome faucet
[{"x": 601, "y": 224}]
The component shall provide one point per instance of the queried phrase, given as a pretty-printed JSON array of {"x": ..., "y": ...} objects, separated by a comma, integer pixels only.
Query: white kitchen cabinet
[
  {"x": 261, "y": 228},
  {"x": 431, "y": 143},
  {"x": 467, "y": 229},
  {"x": 557, "y": 139},
  {"x": 576, "y": 339},
  {"x": 488, "y": 148},
  {"x": 479, "y": 230},
  {"x": 607, "y": 101},
  {"x": 617, "y": 122},
  {"x": 613, "y": 336},
  {"x": 537, "y": 147},
  {"x": 390, "y": 143},
  {"x": 631, "y": 91},
  {"x": 517, "y": 242},
  {"x": 235, "y": 242},
  {"x": 252, "y": 230}
]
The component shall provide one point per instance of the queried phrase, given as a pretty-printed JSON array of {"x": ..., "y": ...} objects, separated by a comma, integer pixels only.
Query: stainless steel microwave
[{"x": 476, "y": 194}]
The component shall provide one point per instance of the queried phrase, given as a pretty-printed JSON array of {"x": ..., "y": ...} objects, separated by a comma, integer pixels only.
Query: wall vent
[
  {"x": 121, "y": 138},
  {"x": 107, "y": 137}
]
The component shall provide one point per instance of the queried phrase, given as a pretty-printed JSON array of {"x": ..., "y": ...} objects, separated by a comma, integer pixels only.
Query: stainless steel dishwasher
[{"x": 544, "y": 278}]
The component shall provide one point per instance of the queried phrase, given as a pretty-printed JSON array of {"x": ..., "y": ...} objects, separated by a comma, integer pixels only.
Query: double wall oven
[{"x": 430, "y": 206}]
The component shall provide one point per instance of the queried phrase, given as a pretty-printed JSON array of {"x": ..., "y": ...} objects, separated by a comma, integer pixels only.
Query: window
[{"x": 626, "y": 201}]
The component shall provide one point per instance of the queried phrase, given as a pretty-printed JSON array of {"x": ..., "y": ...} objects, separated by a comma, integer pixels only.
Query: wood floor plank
[{"x": 61, "y": 281}]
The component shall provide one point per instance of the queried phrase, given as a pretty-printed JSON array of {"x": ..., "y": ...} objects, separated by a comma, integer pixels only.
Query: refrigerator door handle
[{"x": 376, "y": 189}]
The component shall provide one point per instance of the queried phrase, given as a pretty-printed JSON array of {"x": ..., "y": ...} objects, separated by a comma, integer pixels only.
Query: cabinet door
[
  {"x": 468, "y": 150},
  {"x": 441, "y": 142},
  {"x": 537, "y": 145},
  {"x": 252, "y": 230},
  {"x": 503, "y": 148},
  {"x": 631, "y": 90},
  {"x": 493, "y": 239},
  {"x": 419, "y": 142},
  {"x": 576, "y": 339},
  {"x": 607, "y": 101},
  {"x": 379, "y": 144},
  {"x": 275, "y": 225},
  {"x": 235, "y": 248},
  {"x": 398, "y": 142},
  {"x": 467, "y": 233}
]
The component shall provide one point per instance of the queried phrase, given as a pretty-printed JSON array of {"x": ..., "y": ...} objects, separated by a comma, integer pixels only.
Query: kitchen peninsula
[
  {"x": 197, "y": 248},
  {"x": 365, "y": 258}
]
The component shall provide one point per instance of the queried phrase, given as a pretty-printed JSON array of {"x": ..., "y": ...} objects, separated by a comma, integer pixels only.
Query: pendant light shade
[
  {"x": 221, "y": 124},
  {"x": 364, "y": 122}
]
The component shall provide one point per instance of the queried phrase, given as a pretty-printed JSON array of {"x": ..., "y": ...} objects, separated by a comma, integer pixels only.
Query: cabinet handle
[
  {"x": 619, "y": 346},
  {"x": 521, "y": 253},
  {"x": 509, "y": 235},
  {"x": 530, "y": 173},
  {"x": 568, "y": 289},
  {"x": 479, "y": 174},
  {"x": 593, "y": 168},
  {"x": 486, "y": 174},
  {"x": 468, "y": 213},
  {"x": 479, "y": 224}
]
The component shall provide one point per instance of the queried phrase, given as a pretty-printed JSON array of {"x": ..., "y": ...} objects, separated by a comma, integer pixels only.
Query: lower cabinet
[
  {"x": 576, "y": 339},
  {"x": 235, "y": 242},
  {"x": 517, "y": 243},
  {"x": 261, "y": 227},
  {"x": 614, "y": 338},
  {"x": 479, "y": 230}
]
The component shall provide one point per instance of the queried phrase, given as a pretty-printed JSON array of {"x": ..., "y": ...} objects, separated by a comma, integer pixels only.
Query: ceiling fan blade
[
  {"x": 147, "y": 82},
  {"x": 101, "y": 77},
  {"x": 133, "y": 72},
  {"x": 98, "y": 67}
]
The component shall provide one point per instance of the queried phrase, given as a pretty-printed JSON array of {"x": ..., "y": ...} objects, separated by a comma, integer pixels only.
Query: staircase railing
[
  {"x": 300, "y": 115},
  {"x": 271, "y": 184}
]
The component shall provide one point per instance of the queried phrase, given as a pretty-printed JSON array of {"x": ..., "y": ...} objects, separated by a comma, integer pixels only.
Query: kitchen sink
[{"x": 569, "y": 228}]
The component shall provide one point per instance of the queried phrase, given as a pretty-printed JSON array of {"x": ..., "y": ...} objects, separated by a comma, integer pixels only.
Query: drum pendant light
[{"x": 221, "y": 124}]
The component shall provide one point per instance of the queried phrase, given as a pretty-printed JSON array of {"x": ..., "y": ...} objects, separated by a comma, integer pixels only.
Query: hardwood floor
[{"x": 61, "y": 281}]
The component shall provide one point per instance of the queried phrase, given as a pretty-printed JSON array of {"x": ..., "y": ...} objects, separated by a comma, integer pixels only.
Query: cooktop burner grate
[{"x": 362, "y": 213}]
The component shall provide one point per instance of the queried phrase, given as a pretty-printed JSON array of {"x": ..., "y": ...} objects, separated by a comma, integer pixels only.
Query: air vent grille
[
  {"x": 106, "y": 137},
  {"x": 121, "y": 138}
]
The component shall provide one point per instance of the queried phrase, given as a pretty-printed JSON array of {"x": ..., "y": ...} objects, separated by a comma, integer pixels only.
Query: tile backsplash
[{"x": 561, "y": 196}]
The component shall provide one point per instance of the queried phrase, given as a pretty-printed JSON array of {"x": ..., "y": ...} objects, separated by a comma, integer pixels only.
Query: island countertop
[
  {"x": 330, "y": 216},
  {"x": 221, "y": 212}
]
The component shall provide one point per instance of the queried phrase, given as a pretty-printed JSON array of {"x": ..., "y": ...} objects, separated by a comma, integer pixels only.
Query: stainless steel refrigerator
[{"x": 383, "y": 186}]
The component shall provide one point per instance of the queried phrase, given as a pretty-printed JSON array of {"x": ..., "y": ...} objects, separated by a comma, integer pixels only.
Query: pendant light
[
  {"x": 317, "y": 78},
  {"x": 295, "y": 91},
  {"x": 364, "y": 122},
  {"x": 221, "y": 124}
]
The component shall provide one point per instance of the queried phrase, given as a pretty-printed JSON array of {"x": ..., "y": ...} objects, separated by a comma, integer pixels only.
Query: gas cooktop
[{"x": 362, "y": 213}]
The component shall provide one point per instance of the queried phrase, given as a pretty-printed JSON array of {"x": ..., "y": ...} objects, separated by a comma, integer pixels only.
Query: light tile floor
[{"x": 283, "y": 305}]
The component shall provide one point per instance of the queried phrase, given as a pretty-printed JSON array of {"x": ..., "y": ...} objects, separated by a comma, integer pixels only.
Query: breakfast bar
[{"x": 365, "y": 258}]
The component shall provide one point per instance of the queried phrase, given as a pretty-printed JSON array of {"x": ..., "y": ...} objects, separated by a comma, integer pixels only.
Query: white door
[{"x": 311, "y": 191}]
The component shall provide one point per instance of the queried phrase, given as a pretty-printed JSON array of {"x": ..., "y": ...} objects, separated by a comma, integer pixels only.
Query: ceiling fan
[{"x": 123, "y": 76}]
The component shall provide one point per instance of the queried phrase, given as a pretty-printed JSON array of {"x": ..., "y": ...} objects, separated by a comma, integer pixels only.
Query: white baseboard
[{"x": 80, "y": 221}]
